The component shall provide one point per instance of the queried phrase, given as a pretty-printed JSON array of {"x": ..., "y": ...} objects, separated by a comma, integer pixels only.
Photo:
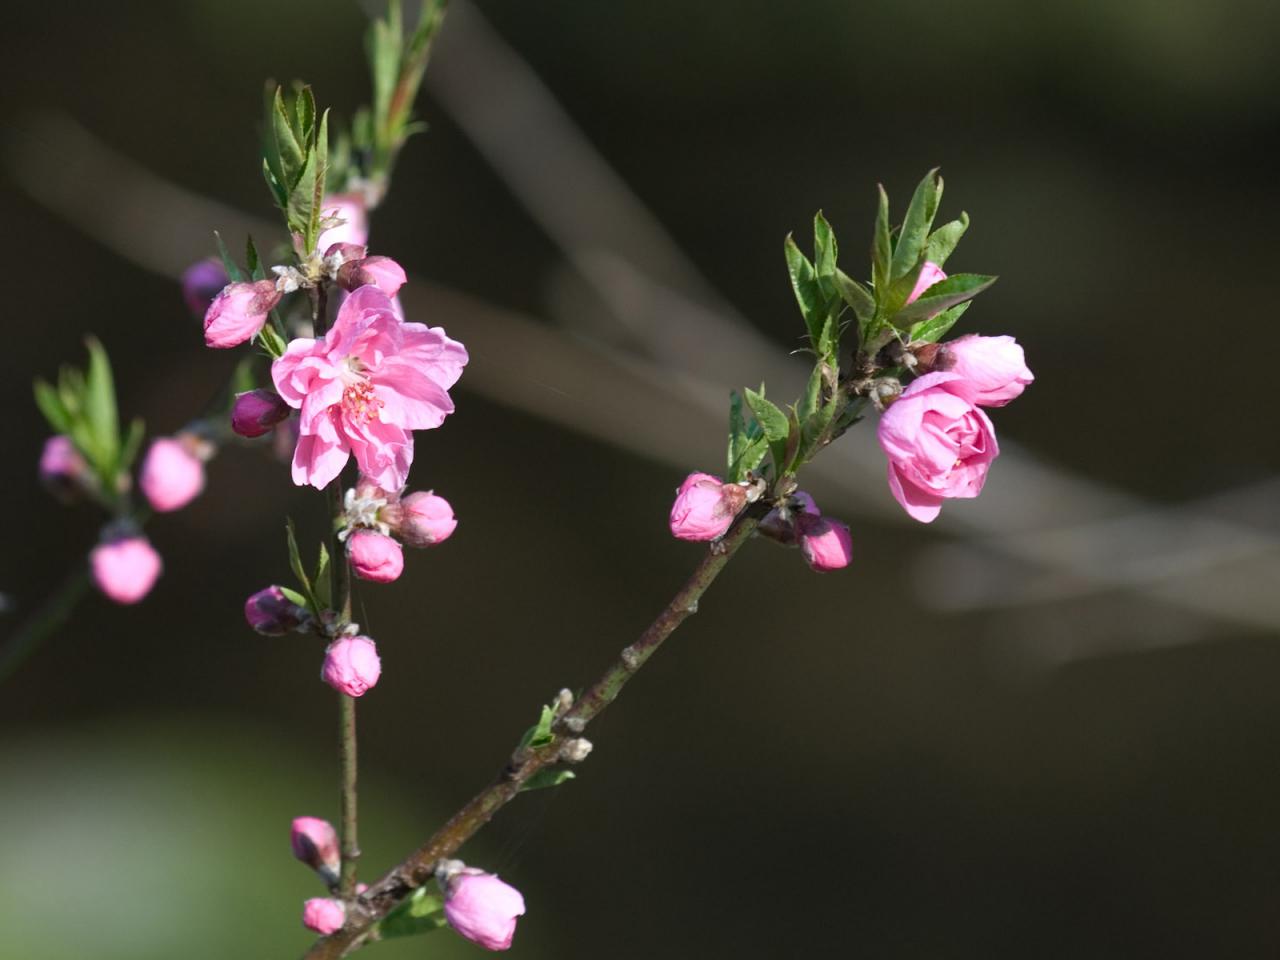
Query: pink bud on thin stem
[
  {"x": 481, "y": 907},
  {"x": 374, "y": 556},
  {"x": 315, "y": 843},
  {"x": 421, "y": 519},
  {"x": 273, "y": 614},
  {"x": 705, "y": 507},
  {"x": 255, "y": 412},
  {"x": 171, "y": 475},
  {"x": 323, "y": 915},
  {"x": 825, "y": 543},
  {"x": 351, "y": 665},
  {"x": 239, "y": 312},
  {"x": 125, "y": 569}
]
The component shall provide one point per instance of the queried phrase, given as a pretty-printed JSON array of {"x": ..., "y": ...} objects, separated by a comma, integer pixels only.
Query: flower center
[{"x": 360, "y": 403}]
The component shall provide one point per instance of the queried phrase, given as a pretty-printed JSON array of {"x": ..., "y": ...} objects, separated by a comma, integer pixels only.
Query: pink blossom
[
  {"x": 930, "y": 274},
  {"x": 323, "y": 915},
  {"x": 171, "y": 475},
  {"x": 352, "y": 209},
  {"x": 201, "y": 282},
  {"x": 255, "y": 412},
  {"x": 374, "y": 556},
  {"x": 365, "y": 388},
  {"x": 825, "y": 543},
  {"x": 315, "y": 843},
  {"x": 239, "y": 312},
  {"x": 125, "y": 569},
  {"x": 422, "y": 519},
  {"x": 992, "y": 370},
  {"x": 938, "y": 443},
  {"x": 705, "y": 507},
  {"x": 383, "y": 272},
  {"x": 483, "y": 909},
  {"x": 273, "y": 614},
  {"x": 351, "y": 665}
]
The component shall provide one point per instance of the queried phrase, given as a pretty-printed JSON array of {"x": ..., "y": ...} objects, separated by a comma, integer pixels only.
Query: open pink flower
[
  {"x": 364, "y": 389},
  {"x": 938, "y": 443}
]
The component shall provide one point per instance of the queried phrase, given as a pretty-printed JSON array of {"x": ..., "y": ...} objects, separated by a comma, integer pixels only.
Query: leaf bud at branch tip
[{"x": 575, "y": 750}]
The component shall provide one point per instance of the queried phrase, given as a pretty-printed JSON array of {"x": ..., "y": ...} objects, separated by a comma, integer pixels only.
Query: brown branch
[{"x": 417, "y": 869}]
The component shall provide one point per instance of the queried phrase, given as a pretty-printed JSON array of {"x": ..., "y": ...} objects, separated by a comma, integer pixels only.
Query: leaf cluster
[
  {"x": 295, "y": 160},
  {"x": 82, "y": 405}
]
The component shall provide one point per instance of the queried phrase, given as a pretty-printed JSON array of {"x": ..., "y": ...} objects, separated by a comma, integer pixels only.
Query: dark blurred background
[{"x": 1046, "y": 725}]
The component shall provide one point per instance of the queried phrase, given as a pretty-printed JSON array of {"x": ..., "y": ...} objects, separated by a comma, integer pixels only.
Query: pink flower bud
[
  {"x": 705, "y": 507},
  {"x": 125, "y": 569},
  {"x": 483, "y": 909},
  {"x": 383, "y": 272},
  {"x": 273, "y": 614},
  {"x": 323, "y": 915},
  {"x": 201, "y": 282},
  {"x": 825, "y": 543},
  {"x": 992, "y": 370},
  {"x": 239, "y": 312},
  {"x": 351, "y": 665},
  {"x": 315, "y": 843},
  {"x": 257, "y": 411},
  {"x": 422, "y": 518},
  {"x": 930, "y": 274},
  {"x": 64, "y": 473},
  {"x": 355, "y": 228},
  {"x": 171, "y": 476},
  {"x": 374, "y": 556}
]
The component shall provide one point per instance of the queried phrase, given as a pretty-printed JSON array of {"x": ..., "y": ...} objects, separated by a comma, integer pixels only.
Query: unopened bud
[
  {"x": 383, "y": 272},
  {"x": 315, "y": 843},
  {"x": 125, "y": 569},
  {"x": 255, "y": 412},
  {"x": 323, "y": 915},
  {"x": 422, "y": 519},
  {"x": 172, "y": 475},
  {"x": 576, "y": 750},
  {"x": 351, "y": 665},
  {"x": 201, "y": 282},
  {"x": 480, "y": 906},
  {"x": 780, "y": 523},
  {"x": 705, "y": 507},
  {"x": 239, "y": 312},
  {"x": 825, "y": 543},
  {"x": 375, "y": 556},
  {"x": 273, "y": 614},
  {"x": 64, "y": 473}
]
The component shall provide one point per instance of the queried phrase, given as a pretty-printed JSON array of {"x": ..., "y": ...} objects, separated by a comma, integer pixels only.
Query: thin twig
[
  {"x": 51, "y": 615},
  {"x": 418, "y": 868}
]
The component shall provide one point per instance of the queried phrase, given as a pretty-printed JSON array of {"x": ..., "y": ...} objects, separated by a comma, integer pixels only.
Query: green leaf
[
  {"x": 132, "y": 444},
  {"x": 915, "y": 228},
  {"x": 882, "y": 248},
  {"x": 749, "y": 458},
  {"x": 100, "y": 409},
  {"x": 935, "y": 328},
  {"x": 293, "y": 153},
  {"x": 856, "y": 296},
  {"x": 299, "y": 571},
  {"x": 271, "y": 341},
  {"x": 233, "y": 270},
  {"x": 302, "y": 212},
  {"x": 322, "y": 580},
  {"x": 775, "y": 423},
  {"x": 813, "y": 430},
  {"x": 548, "y": 777},
  {"x": 957, "y": 288},
  {"x": 420, "y": 912},
  {"x": 747, "y": 445},
  {"x": 824, "y": 253},
  {"x": 304, "y": 108},
  {"x": 942, "y": 242},
  {"x": 293, "y": 596},
  {"x": 812, "y": 394},
  {"x": 804, "y": 282},
  {"x": 539, "y": 735},
  {"x": 320, "y": 152},
  {"x": 251, "y": 258},
  {"x": 50, "y": 405}
]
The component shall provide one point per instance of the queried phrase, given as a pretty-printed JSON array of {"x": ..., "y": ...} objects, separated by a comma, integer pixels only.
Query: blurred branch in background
[{"x": 659, "y": 361}]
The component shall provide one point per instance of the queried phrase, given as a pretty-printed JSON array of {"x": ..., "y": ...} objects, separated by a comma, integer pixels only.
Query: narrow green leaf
[
  {"x": 770, "y": 417},
  {"x": 132, "y": 444},
  {"x": 547, "y": 777},
  {"x": 752, "y": 454},
  {"x": 293, "y": 153},
  {"x": 856, "y": 296},
  {"x": 915, "y": 228},
  {"x": 271, "y": 341},
  {"x": 50, "y": 405},
  {"x": 539, "y": 735},
  {"x": 252, "y": 260},
  {"x": 300, "y": 213},
  {"x": 293, "y": 596},
  {"x": 321, "y": 154},
  {"x": 812, "y": 433},
  {"x": 935, "y": 328},
  {"x": 881, "y": 248},
  {"x": 321, "y": 579},
  {"x": 100, "y": 410},
  {"x": 233, "y": 270},
  {"x": 295, "y": 564},
  {"x": 304, "y": 108},
  {"x": 804, "y": 282},
  {"x": 824, "y": 250},
  {"x": 812, "y": 394},
  {"x": 957, "y": 288},
  {"x": 942, "y": 242}
]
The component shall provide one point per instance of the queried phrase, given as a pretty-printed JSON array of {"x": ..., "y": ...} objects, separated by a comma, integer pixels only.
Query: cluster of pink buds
[
  {"x": 478, "y": 905},
  {"x": 938, "y": 440},
  {"x": 377, "y": 521}
]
